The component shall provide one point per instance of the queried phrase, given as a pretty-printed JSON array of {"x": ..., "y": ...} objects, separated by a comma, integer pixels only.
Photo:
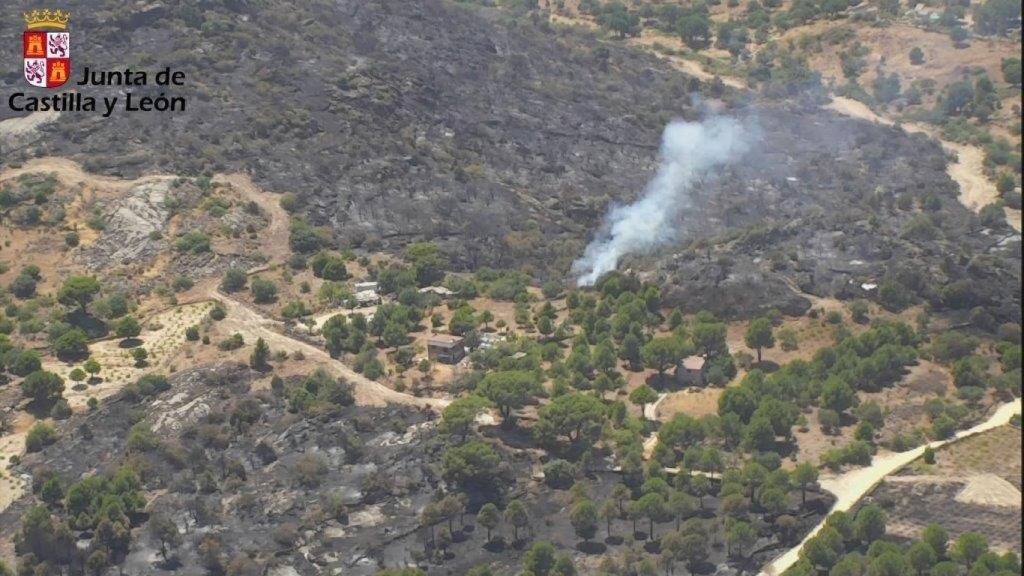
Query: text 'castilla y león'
[{"x": 80, "y": 100}]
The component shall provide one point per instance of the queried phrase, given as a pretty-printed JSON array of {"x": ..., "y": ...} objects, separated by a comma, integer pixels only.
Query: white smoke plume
[{"x": 689, "y": 151}]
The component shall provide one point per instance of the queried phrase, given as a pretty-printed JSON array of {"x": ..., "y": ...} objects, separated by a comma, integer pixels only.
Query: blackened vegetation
[
  {"x": 505, "y": 139},
  {"x": 242, "y": 477},
  {"x": 391, "y": 120},
  {"x": 199, "y": 474},
  {"x": 844, "y": 208}
]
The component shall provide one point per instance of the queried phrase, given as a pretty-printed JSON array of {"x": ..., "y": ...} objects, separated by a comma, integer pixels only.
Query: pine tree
[{"x": 260, "y": 354}]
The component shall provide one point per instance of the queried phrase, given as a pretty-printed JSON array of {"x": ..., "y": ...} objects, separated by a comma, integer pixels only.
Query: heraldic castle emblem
[{"x": 46, "y": 48}]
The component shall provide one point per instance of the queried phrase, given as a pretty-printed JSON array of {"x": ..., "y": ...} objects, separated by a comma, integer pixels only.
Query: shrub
[
  {"x": 194, "y": 242},
  {"x": 181, "y": 283},
  {"x": 303, "y": 238},
  {"x": 329, "y": 266},
  {"x": 233, "y": 342},
  {"x": 234, "y": 280},
  {"x": 218, "y": 312},
  {"x": 40, "y": 436},
  {"x": 24, "y": 362},
  {"x": 263, "y": 291},
  {"x": 61, "y": 410},
  {"x": 152, "y": 384},
  {"x": 559, "y": 474},
  {"x": 295, "y": 309}
]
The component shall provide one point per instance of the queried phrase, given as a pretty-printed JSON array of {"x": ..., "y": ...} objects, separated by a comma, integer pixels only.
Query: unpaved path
[
  {"x": 853, "y": 485},
  {"x": 273, "y": 238},
  {"x": 248, "y": 322},
  {"x": 976, "y": 190},
  {"x": 71, "y": 172},
  {"x": 647, "y": 39}
]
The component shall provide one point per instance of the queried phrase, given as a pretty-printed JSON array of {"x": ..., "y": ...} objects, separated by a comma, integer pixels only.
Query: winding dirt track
[
  {"x": 851, "y": 486},
  {"x": 249, "y": 323},
  {"x": 976, "y": 190}
]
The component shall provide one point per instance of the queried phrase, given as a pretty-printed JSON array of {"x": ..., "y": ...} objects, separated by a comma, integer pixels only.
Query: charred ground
[{"x": 505, "y": 139}]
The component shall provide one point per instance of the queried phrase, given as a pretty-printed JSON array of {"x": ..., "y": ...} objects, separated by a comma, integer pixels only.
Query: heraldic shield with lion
[{"x": 46, "y": 48}]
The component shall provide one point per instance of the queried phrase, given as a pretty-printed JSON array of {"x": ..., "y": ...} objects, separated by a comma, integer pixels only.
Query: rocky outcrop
[{"x": 134, "y": 228}]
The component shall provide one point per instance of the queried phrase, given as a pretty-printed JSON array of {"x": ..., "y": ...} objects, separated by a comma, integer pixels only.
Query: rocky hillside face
[{"x": 505, "y": 140}]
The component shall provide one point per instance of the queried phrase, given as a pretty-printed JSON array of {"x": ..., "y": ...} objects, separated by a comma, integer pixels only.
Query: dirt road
[
  {"x": 367, "y": 392},
  {"x": 273, "y": 238},
  {"x": 851, "y": 486},
  {"x": 976, "y": 190}
]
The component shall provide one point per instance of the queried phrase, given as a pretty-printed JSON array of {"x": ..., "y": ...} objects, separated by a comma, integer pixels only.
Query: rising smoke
[{"x": 689, "y": 151}]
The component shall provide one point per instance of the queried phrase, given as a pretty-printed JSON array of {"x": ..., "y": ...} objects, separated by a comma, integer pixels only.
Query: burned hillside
[{"x": 505, "y": 140}]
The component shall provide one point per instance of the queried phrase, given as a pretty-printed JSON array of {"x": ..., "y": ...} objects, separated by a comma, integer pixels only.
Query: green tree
[
  {"x": 489, "y": 517},
  {"x": 128, "y": 327},
  {"x": 71, "y": 345},
  {"x": 234, "y": 280},
  {"x": 539, "y": 559},
  {"x": 473, "y": 464},
  {"x": 936, "y": 536},
  {"x": 459, "y": 416},
  {"x": 42, "y": 387},
  {"x": 824, "y": 548},
  {"x": 695, "y": 30},
  {"x": 584, "y": 517},
  {"x": 165, "y": 531},
  {"x": 804, "y": 475},
  {"x": 139, "y": 355},
  {"x": 652, "y": 506},
  {"x": 576, "y": 416},
  {"x": 609, "y": 512},
  {"x": 663, "y": 353},
  {"x": 78, "y": 291},
  {"x": 263, "y": 291},
  {"x": 889, "y": 563},
  {"x": 870, "y": 523},
  {"x": 619, "y": 19},
  {"x": 630, "y": 351},
  {"x": 23, "y": 362},
  {"x": 642, "y": 396},
  {"x": 1005, "y": 183},
  {"x": 694, "y": 548},
  {"x": 487, "y": 317},
  {"x": 681, "y": 505},
  {"x": 916, "y": 56},
  {"x": 837, "y": 395},
  {"x": 967, "y": 548},
  {"x": 921, "y": 557},
  {"x": 709, "y": 337},
  {"x": 303, "y": 238},
  {"x": 517, "y": 517},
  {"x": 1011, "y": 68},
  {"x": 336, "y": 334},
  {"x": 23, "y": 286},
  {"x": 427, "y": 261},
  {"x": 39, "y": 436},
  {"x": 509, "y": 390},
  {"x": 92, "y": 366},
  {"x": 740, "y": 536},
  {"x": 759, "y": 335},
  {"x": 77, "y": 375},
  {"x": 260, "y": 355},
  {"x": 462, "y": 321}
]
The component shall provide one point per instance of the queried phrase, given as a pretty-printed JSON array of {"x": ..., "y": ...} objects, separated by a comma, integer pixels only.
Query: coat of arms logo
[{"x": 46, "y": 48}]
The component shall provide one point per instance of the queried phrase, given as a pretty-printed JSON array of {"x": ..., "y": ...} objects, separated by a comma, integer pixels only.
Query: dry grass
[{"x": 995, "y": 452}]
